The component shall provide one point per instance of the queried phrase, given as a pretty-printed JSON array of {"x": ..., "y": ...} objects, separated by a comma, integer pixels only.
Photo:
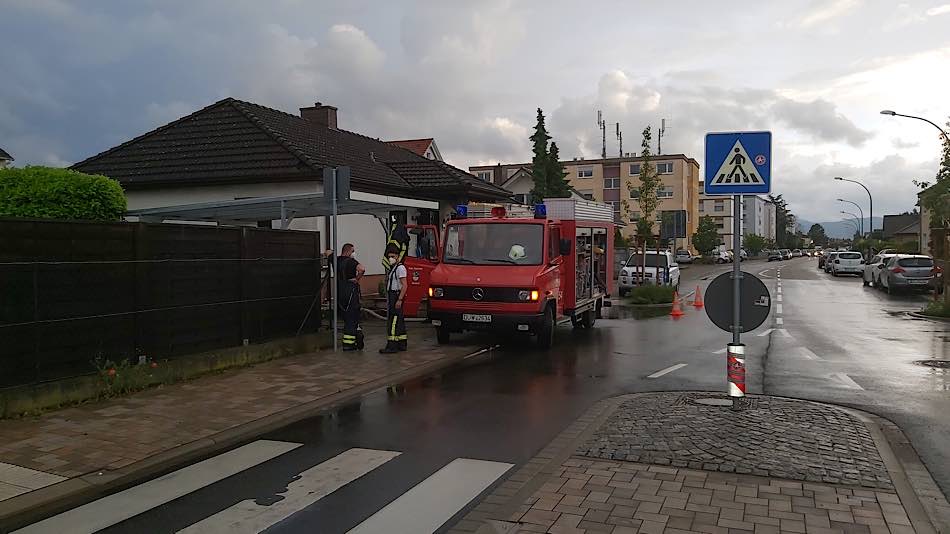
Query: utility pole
[
  {"x": 620, "y": 139},
  {"x": 602, "y": 124}
]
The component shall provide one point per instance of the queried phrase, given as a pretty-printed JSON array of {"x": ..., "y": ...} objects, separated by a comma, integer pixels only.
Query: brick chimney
[{"x": 320, "y": 114}]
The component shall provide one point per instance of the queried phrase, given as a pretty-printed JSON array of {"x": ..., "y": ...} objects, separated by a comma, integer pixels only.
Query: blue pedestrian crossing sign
[{"x": 738, "y": 163}]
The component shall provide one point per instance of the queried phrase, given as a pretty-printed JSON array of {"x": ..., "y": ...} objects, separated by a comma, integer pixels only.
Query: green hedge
[
  {"x": 53, "y": 193},
  {"x": 651, "y": 294}
]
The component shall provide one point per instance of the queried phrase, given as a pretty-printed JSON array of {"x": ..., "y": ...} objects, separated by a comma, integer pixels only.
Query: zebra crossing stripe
[
  {"x": 432, "y": 502},
  {"x": 311, "y": 486},
  {"x": 118, "y": 507}
]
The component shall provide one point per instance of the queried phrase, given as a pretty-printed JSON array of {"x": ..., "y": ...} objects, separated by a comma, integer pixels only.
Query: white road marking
[
  {"x": 432, "y": 502},
  {"x": 779, "y": 320},
  {"x": 118, "y": 507},
  {"x": 311, "y": 486},
  {"x": 778, "y": 308},
  {"x": 846, "y": 380},
  {"x": 669, "y": 369},
  {"x": 779, "y": 296},
  {"x": 762, "y": 273},
  {"x": 784, "y": 332},
  {"x": 765, "y": 332},
  {"x": 720, "y": 351},
  {"x": 780, "y": 289},
  {"x": 806, "y": 353},
  {"x": 16, "y": 480}
]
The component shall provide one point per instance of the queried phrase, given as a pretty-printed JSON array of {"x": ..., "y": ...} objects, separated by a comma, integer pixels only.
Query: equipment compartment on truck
[{"x": 507, "y": 274}]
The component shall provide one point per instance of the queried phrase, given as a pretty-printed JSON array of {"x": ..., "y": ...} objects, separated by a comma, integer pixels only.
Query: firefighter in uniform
[
  {"x": 349, "y": 271},
  {"x": 395, "y": 294}
]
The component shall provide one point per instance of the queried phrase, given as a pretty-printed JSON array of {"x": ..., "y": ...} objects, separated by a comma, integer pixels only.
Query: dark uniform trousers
[
  {"x": 396, "y": 324},
  {"x": 349, "y": 295}
]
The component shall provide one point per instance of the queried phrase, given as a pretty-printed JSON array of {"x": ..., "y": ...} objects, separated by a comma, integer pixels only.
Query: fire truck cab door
[{"x": 421, "y": 258}]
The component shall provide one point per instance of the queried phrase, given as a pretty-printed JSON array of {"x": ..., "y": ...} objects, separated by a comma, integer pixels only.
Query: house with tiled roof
[
  {"x": 424, "y": 147},
  {"x": 5, "y": 158},
  {"x": 235, "y": 150}
]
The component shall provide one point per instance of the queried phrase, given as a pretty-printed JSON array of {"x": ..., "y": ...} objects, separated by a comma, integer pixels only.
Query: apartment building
[
  {"x": 615, "y": 180},
  {"x": 758, "y": 215}
]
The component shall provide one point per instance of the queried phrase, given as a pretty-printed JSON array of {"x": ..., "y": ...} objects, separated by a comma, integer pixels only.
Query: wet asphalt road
[{"x": 838, "y": 342}]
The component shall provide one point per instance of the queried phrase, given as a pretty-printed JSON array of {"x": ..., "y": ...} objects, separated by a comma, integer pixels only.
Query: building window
[
  {"x": 522, "y": 198},
  {"x": 719, "y": 207},
  {"x": 511, "y": 172},
  {"x": 484, "y": 176},
  {"x": 702, "y": 188},
  {"x": 702, "y": 206},
  {"x": 634, "y": 169},
  {"x": 589, "y": 195},
  {"x": 615, "y": 204},
  {"x": 611, "y": 183},
  {"x": 664, "y": 168},
  {"x": 634, "y": 192},
  {"x": 634, "y": 216},
  {"x": 665, "y": 192},
  {"x": 585, "y": 172}
]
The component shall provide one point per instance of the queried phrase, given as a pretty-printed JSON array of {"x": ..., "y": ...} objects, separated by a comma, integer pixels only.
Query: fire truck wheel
[
  {"x": 546, "y": 330},
  {"x": 443, "y": 335},
  {"x": 588, "y": 319}
]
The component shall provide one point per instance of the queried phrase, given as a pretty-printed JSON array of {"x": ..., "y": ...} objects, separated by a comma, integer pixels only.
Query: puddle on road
[{"x": 938, "y": 364}]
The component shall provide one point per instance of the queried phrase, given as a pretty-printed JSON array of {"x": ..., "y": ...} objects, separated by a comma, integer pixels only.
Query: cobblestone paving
[
  {"x": 771, "y": 437},
  {"x": 587, "y": 496}
]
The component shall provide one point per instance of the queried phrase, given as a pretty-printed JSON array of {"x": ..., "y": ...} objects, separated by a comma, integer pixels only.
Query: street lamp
[
  {"x": 870, "y": 207},
  {"x": 896, "y": 114},
  {"x": 859, "y": 209},
  {"x": 855, "y": 219},
  {"x": 852, "y": 223}
]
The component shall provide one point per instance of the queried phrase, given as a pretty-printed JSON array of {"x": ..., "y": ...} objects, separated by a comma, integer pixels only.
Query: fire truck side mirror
[{"x": 565, "y": 247}]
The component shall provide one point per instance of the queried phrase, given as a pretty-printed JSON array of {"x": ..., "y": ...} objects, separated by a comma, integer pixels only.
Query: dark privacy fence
[{"x": 71, "y": 292}]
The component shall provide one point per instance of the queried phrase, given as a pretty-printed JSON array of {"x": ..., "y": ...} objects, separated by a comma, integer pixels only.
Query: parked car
[
  {"x": 830, "y": 260},
  {"x": 683, "y": 256},
  {"x": 796, "y": 253},
  {"x": 823, "y": 258},
  {"x": 743, "y": 255},
  {"x": 775, "y": 255},
  {"x": 787, "y": 254},
  {"x": 662, "y": 265},
  {"x": 873, "y": 268},
  {"x": 723, "y": 257},
  {"x": 907, "y": 272},
  {"x": 847, "y": 263}
]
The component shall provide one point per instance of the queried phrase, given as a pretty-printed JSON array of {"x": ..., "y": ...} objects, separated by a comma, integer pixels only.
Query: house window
[
  {"x": 664, "y": 168},
  {"x": 484, "y": 176},
  {"x": 702, "y": 206},
  {"x": 589, "y": 195},
  {"x": 634, "y": 216},
  {"x": 635, "y": 192},
  {"x": 665, "y": 192},
  {"x": 585, "y": 172},
  {"x": 522, "y": 198},
  {"x": 611, "y": 183},
  {"x": 634, "y": 169},
  {"x": 615, "y": 204},
  {"x": 511, "y": 172},
  {"x": 719, "y": 207}
]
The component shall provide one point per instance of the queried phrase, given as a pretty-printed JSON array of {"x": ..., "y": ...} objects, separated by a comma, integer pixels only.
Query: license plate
[
  {"x": 918, "y": 281},
  {"x": 476, "y": 318}
]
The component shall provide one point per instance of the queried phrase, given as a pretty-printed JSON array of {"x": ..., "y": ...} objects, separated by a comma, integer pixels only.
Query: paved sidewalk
[
  {"x": 114, "y": 436},
  {"x": 667, "y": 463}
]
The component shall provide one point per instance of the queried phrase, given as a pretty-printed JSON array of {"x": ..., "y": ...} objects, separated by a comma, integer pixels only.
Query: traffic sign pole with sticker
[{"x": 738, "y": 163}]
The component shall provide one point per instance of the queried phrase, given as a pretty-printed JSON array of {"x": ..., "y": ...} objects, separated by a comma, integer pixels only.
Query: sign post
[{"x": 737, "y": 163}]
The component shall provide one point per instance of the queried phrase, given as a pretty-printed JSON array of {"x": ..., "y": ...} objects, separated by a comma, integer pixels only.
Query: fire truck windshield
[{"x": 494, "y": 243}]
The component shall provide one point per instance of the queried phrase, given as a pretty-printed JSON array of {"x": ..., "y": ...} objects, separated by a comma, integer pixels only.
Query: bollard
[{"x": 735, "y": 372}]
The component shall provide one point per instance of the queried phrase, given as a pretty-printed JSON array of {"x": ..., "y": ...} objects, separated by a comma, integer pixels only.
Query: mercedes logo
[{"x": 478, "y": 293}]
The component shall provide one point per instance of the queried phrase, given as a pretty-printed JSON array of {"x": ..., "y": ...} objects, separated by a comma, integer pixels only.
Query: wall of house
[{"x": 925, "y": 234}]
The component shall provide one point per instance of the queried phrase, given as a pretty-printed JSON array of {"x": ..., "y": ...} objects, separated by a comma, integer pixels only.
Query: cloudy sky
[{"x": 81, "y": 76}]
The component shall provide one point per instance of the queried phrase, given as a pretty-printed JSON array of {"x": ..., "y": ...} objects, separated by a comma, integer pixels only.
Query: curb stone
[
  {"x": 499, "y": 511},
  {"x": 28, "y": 508}
]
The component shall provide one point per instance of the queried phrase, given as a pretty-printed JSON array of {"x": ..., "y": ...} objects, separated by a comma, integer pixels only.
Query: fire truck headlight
[
  {"x": 436, "y": 292},
  {"x": 524, "y": 295},
  {"x": 535, "y": 295}
]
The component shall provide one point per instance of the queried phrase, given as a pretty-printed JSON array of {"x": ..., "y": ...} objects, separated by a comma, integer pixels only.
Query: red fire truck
[{"x": 524, "y": 274}]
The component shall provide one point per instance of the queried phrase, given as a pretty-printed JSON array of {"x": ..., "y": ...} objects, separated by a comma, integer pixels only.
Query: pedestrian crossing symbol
[{"x": 738, "y": 163}]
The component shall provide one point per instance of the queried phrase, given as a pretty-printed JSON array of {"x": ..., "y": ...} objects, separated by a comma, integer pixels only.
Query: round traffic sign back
[{"x": 754, "y": 302}]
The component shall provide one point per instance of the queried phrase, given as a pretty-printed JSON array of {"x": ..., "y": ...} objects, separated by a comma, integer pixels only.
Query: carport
[{"x": 336, "y": 200}]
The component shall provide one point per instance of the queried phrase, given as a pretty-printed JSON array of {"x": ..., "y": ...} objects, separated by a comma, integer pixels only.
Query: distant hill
[{"x": 840, "y": 229}]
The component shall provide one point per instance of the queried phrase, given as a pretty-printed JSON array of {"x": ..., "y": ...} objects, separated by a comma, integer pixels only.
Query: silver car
[
  {"x": 873, "y": 268},
  {"x": 907, "y": 272}
]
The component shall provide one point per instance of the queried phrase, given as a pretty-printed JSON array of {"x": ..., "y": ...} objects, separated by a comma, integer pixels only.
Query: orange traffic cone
[
  {"x": 676, "y": 312},
  {"x": 698, "y": 299}
]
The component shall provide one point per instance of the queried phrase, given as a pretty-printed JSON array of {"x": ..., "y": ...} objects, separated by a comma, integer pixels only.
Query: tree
[
  {"x": 706, "y": 237},
  {"x": 649, "y": 183},
  {"x": 817, "y": 234},
  {"x": 754, "y": 244},
  {"x": 555, "y": 176},
  {"x": 782, "y": 217},
  {"x": 54, "y": 193},
  {"x": 936, "y": 199},
  {"x": 539, "y": 161}
]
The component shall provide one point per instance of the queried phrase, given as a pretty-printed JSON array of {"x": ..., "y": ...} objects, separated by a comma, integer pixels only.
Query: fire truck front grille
[{"x": 482, "y": 294}]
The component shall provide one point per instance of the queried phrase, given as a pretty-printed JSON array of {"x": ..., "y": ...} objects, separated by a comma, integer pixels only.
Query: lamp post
[
  {"x": 861, "y": 223},
  {"x": 861, "y": 211},
  {"x": 852, "y": 223},
  {"x": 896, "y": 114},
  {"x": 870, "y": 208}
]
